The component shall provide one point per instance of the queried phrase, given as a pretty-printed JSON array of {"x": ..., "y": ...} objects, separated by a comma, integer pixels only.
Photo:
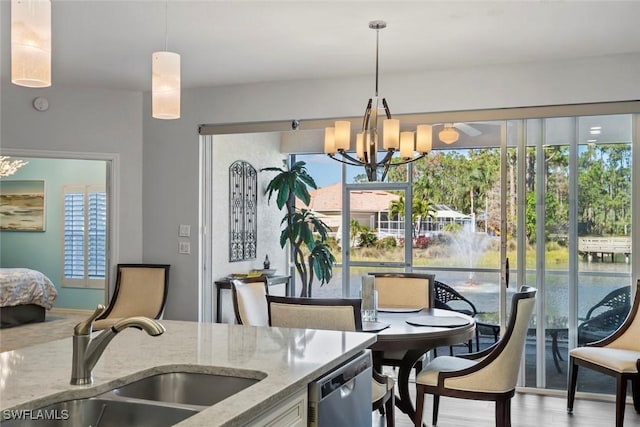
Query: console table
[{"x": 225, "y": 283}]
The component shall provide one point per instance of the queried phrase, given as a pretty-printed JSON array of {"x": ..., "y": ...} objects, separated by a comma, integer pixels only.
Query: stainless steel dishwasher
[{"x": 343, "y": 396}]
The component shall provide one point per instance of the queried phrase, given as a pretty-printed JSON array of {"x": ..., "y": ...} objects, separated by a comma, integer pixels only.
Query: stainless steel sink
[
  {"x": 187, "y": 388},
  {"x": 96, "y": 412}
]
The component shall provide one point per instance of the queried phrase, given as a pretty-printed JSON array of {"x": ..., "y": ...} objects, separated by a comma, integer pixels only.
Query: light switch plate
[
  {"x": 185, "y": 230},
  {"x": 184, "y": 247}
]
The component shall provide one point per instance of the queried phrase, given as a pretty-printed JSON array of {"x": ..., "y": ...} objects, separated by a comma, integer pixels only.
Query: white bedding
[{"x": 24, "y": 286}]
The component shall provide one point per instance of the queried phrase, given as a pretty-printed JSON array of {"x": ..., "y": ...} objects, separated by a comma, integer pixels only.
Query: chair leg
[
  {"x": 573, "y": 378},
  {"x": 621, "y": 396},
  {"x": 501, "y": 413},
  {"x": 436, "y": 407},
  {"x": 419, "y": 406},
  {"x": 391, "y": 402},
  {"x": 507, "y": 414},
  {"x": 635, "y": 392}
]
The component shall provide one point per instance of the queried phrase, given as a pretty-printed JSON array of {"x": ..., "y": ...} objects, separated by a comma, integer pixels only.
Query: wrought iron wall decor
[{"x": 243, "y": 211}]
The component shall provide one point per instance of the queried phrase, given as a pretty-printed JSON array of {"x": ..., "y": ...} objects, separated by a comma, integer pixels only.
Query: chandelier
[
  {"x": 337, "y": 139},
  {"x": 9, "y": 167}
]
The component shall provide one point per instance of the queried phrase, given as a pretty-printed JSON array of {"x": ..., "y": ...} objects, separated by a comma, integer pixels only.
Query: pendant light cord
[
  {"x": 377, "y": 50},
  {"x": 166, "y": 25}
]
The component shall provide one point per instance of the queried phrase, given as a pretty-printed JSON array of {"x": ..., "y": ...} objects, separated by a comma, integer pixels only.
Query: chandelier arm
[
  {"x": 411, "y": 160},
  {"x": 387, "y": 157},
  {"x": 386, "y": 108},
  {"x": 349, "y": 160},
  {"x": 367, "y": 114}
]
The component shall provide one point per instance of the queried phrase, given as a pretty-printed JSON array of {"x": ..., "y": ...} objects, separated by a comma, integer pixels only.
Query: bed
[{"x": 25, "y": 295}]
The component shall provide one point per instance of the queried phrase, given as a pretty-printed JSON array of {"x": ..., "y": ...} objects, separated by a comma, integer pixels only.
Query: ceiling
[{"x": 108, "y": 43}]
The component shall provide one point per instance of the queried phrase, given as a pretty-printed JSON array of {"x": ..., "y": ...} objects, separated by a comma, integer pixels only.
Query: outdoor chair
[
  {"x": 403, "y": 290},
  {"x": 606, "y": 316},
  {"x": 249, "y": 301},
  {"x": 140, "y": 290},
  {"x": 447, "y": 298},
  {"x": 341, "y": 314},
  {"x": 617, "y": 355},
  {"x": 489, "y": 375}
]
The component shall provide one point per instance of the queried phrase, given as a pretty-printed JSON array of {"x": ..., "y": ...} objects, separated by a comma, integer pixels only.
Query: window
[{"x": 85, "y": 236}]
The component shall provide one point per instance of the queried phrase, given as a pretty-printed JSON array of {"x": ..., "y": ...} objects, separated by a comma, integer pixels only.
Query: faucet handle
[{"x": 85, "y": 327}]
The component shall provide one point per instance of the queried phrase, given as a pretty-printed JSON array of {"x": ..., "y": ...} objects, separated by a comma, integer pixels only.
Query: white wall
[
  {"x": 171, "y": 174},
  {"x": 85, "y": 121}
]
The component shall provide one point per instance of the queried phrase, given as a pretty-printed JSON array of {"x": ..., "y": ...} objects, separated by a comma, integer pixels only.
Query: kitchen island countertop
[{"x": 38, "y": 375}]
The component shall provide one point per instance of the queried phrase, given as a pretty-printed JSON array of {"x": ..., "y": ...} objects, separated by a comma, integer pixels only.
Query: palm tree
[
  {"x": 422, "y": 209},
  {"x": 305, "y": 233}
]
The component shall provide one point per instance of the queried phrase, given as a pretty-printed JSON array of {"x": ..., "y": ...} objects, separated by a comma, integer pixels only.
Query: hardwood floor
[{"x": 527, "y": 410}]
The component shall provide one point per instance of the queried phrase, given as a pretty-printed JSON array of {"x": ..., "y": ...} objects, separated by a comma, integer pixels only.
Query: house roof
[{"x": 329, "y": 199}]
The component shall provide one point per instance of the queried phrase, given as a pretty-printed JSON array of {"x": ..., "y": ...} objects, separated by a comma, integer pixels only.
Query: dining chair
[
  {"x": 487, "y": 375},
  {"x": 403, "y": 290},
  {"x": 342, "y": 314},
  {"x": 617, "y": 355},
  {"x": 249, "y": 301},
  {"x": 140, "y": 290}
]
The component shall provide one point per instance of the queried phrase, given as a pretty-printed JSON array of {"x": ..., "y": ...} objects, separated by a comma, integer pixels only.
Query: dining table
[{"x": 415, "y": 331}]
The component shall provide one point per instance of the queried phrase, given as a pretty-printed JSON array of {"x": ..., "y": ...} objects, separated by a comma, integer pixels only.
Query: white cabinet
[{"x": 292, "y": 412}]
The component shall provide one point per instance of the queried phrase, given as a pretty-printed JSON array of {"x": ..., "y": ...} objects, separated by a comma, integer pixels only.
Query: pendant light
[
  {"x": 165, "y": 81},
  {"x": 31, "y": 43}
]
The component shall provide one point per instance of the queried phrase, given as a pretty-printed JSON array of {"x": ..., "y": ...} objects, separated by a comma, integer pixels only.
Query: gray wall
[
  {"x": 85, "y": 122},
  {"x": 91, "y": 120}
]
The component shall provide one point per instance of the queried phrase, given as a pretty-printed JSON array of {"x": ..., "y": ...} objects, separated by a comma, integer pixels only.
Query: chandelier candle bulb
[
  {"x": 360, "y": 148},
  {"x": 343, "y": 134},
  {"x": 31, "y": 43},
  {"x": 424, "y": 139},
  {"x": 406, "y": 145},
  {"x": 391, "y": 134},
  {"x": 330, "y": 141}
]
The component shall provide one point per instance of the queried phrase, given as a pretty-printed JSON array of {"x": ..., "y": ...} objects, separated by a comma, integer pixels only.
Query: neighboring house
[{"x": 371, "y": 209}]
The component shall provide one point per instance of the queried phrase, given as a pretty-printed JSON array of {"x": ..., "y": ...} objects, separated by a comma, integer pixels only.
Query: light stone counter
[{"x": 38, "y": 375}]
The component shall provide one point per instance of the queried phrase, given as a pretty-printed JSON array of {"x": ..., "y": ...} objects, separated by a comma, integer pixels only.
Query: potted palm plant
[{"x": 301, "y": 228}]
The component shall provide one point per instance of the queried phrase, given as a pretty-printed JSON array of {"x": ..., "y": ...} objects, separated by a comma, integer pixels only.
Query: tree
[
  {"x": 306, "y": 234},
  {"x": 422, "y": 209}
]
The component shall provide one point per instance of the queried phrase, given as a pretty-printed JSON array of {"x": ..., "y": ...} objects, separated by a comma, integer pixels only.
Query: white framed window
[{"x": 85, "y": 236}]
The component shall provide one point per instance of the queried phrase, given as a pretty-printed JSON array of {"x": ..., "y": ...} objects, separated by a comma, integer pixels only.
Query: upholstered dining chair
[
  {"x": 250, "y": 302},
  {"x": 140, "y": 290},
  {"x": 342, "y": 314},
  {"x": 403, "y": 290},
  {"x": 487, "y": 375},
  {"x": 617, "y": 355}
]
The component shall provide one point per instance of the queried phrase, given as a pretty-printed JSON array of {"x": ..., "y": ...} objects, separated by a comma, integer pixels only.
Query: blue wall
[{"x": 43, "y": 251}]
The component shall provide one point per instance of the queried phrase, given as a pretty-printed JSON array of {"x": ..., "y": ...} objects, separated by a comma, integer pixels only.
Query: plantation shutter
[{"x": 85, "y": 217}]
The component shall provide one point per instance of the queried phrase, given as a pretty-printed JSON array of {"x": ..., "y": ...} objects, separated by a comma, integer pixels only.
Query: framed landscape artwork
[{"x": 22, "y": 205}]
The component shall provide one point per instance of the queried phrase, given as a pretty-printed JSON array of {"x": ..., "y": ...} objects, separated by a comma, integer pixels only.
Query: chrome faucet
[{"x": 87, "y": 351}]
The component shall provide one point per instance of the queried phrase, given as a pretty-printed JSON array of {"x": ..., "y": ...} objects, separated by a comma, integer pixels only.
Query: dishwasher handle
[{"x": 346, "y": 389}]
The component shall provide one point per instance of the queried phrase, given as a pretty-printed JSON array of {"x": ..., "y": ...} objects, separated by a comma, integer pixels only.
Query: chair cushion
[
  {"x": 252, "y": 303},
  {"x": 618, "y": 360},
  {"x": 378, "y": 390},
  {"x": 429, "y": 375}
]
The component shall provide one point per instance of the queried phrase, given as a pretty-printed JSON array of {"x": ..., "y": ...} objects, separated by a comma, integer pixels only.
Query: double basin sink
[{"x": 155, "y": 401}]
